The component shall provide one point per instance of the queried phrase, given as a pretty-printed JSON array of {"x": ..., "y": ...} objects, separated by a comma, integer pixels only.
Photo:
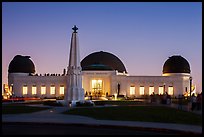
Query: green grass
[
  {"x": 139, "y": 113},
  {"x": 20, "y": 108},
  {"x": 118, "y": 102}
]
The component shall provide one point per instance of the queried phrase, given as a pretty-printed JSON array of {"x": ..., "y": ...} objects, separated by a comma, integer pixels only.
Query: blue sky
[{"x": 142, "y": 34}]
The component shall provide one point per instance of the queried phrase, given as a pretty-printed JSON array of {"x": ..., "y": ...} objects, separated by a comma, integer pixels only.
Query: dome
[
  {"x": 21, "y": 64},
  {"x": 176, "y": 64},
  {"x": 102, "y": 61}
]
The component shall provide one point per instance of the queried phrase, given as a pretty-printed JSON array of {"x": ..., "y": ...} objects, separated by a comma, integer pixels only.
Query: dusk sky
[{"x": 143, "y": 35}]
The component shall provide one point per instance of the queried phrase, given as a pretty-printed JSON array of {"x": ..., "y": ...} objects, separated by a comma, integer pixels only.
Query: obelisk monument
[{"x": 74, "y": 91}]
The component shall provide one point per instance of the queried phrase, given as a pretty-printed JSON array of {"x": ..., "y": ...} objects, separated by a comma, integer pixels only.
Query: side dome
[
  {"x": 21, "y": 64},
  {"x": 102, "y": 61},
  {"x": 176, "y": 64}
]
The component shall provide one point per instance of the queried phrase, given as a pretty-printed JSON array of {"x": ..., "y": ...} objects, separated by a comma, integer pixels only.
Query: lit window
[
  {"x": 170, "y": 90},
  {"x": 34, "y": 90},
  {"x": 132, "y": 90},
  {"x": 93, "y": 83},
  {"x": 25, "y": 90},
  {"x": 161, "y": 90},
  {"x": 151, "y": 90},
  {"x": 141, "y": 90},
  {"x": 99, "y": 83},
  {"x": 61, "y": 89},
  {"x": 52, "y": 90},
  {"x": 43, "y": 90}
]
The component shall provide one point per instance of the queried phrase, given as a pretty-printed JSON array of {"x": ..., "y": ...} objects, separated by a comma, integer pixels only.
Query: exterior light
[{"x": 115, "y": 96}]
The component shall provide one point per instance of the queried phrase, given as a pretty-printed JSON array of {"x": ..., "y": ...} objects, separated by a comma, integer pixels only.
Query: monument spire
[{"x": 74, "y": 78}]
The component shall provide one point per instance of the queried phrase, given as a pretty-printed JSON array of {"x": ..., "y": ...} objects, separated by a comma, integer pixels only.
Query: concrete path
[{"x": 53, "y": 115}]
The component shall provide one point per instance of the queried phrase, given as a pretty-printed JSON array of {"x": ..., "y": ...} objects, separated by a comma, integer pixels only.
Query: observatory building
[{"x": 100, "y": 73}]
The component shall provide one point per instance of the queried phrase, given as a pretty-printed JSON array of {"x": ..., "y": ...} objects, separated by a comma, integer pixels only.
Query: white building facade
[{"x": 134, "y": 86}]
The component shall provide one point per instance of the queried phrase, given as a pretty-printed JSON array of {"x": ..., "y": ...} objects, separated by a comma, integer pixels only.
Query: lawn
[
  {"x": 139, "y": 113},
  {"x": 118, "y": 102},
  {"x": 20, "y": 108}
]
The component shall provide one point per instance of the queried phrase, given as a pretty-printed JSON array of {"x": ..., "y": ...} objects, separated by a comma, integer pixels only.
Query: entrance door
[{"x": 97, "y": 86}]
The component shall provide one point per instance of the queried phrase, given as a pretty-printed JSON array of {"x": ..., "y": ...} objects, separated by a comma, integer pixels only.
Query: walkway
[{"x": 53, "y": 115}]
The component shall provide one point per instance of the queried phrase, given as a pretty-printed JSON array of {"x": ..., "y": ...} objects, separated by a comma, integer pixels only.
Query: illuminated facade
[{"x": 103, "y": 74}]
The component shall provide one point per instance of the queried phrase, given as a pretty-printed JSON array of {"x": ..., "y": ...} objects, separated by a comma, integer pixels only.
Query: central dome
[{"x": 102, "y": 61}]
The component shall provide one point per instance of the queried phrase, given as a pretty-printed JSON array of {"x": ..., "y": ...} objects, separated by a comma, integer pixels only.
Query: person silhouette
[
  {"x": 180, "y": 101},
  {"x": 193, "y": 102}
]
